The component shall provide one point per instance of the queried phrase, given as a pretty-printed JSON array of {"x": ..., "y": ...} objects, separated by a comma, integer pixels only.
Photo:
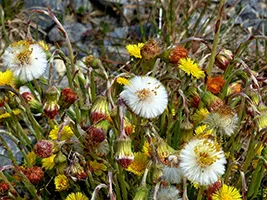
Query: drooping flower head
[
  {"x": 146, "y": 96},
  {"x": 191, "y": 68},
  {"x": 227, "y": 193},
  {"x": 202, "y": 161},
  {"x": 27, "y": 60},
  {"x": 135, "y": 49}
]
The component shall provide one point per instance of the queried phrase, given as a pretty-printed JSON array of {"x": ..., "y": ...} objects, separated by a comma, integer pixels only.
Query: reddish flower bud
[
  {"x": 124, "y": 154},
  {"x": 99, "y": 109},
  {"x": 223, "y": 59},
  {"x": 213, "y": 188},
  {"x": 67, "y": 98},
  {"x": 43, "y": 148},
  {"x": 97, "y": 133},
  {"x": 51, "y": 106}
]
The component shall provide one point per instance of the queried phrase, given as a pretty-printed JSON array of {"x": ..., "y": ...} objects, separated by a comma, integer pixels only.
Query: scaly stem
[
  {"x": 216, "y": 38},
  {"x": 200, "y": 193}
]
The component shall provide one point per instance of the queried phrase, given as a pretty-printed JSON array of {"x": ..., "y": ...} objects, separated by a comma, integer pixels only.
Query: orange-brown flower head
[
  {"x": 176, "y": 54},
  {"x": 215, "y": 84},
  {"x": 213, "y": 188},
  {"x": 67, "y": 98},
  {"x": 34, "y": 174},
  {"x": 3, "y": 187},
  {"x": 43, "y": 148},
  {"x": 211, "y": 101},
  {"x": 124, "y": 154},
  {"x": 223, "y": 59},
  {"x": 51, "y": 106},
  {"x": 150, "y": 50},
  {"x": 99, "y": 109},
  {"x": 35, "y": 105}
]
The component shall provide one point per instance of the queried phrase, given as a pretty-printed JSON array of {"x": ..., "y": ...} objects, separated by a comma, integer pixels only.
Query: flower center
[
  {"x": 143, "y": 94},
  {"x": 24, "y": 56},
  {"x": 226, "y": 197},
  {"x": 206, "y": 153}
]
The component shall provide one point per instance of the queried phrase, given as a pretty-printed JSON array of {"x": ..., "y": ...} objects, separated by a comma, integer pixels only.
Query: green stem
[
  {"x": 2, "y": 15},
  {"x": 216, "y": 38},
  {"x": 200, "y": 193},
  {"x": 122, "y": 183}
]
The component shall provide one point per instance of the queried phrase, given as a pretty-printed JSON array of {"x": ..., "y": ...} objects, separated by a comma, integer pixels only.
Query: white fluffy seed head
[
  {"x": 202, "y": 161},
  {"x": 27, "y": 61},
  {"x": 146, "y": 96}
]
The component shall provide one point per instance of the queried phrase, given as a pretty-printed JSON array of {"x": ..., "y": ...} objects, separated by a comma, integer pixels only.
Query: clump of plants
[{"x": 168, "y": 126}]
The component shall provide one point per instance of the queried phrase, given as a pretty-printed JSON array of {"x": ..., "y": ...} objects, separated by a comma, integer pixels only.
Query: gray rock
[
  {"x": 74, "y": 30},
  {"x": 4, "y": 159},
  {"x": 81, "y": 5}
]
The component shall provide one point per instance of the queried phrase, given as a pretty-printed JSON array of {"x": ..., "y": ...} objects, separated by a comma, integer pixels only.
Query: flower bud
[
  {"x": 35, "y": 105},
  {"x": 60, "y": 158},
  {"x": 223, "y": 59},
  {"x": 76, "y": 171},
  {"x": 124, "y": 154},
  {"x": 142, "y": 193},
  {"x": 43, "y": 148},
  {"x": 128, "y": 126},
  {"x": 99, "y": 109},
  {"x": 213, "y": 188},
  {"x": 234, "y": 88},
  {"x": 51, "y": 106},
  {"x": 150, "y": 50},
  {"x": 187, "y": 131},
  {"x": 163, "y": 151},
  {"x": 67, "y": 98},
  {"x": 97, "y": 133},
  {"x": 212, "y": 102},
  {"x": 85, "y": 117}
]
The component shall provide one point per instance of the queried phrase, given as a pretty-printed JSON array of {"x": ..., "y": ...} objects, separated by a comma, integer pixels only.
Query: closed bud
[
  {"x": 51, "y": 106},
  {"x": 97, "y": 133},
  {"x": 124, "y": 154},
  {"x": 213, "y": 188},
  {"x": 3, "y": 187},
  {"x": 163, "y": 151},
  {"x": 67, "y": 98},
  {"x": 223, "y": 59},
  {"x": 35, "y": 105},
  {"x": 60, "y": 158},
  {"x": 85, "y": 117},
  {"x": 142, "y": 193},
  {"x": 186, "y": 131},
  {"x": 212, "y": 102},
  {"x": 99, "y": 109},
  {"x": 76, "y": 171}
]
